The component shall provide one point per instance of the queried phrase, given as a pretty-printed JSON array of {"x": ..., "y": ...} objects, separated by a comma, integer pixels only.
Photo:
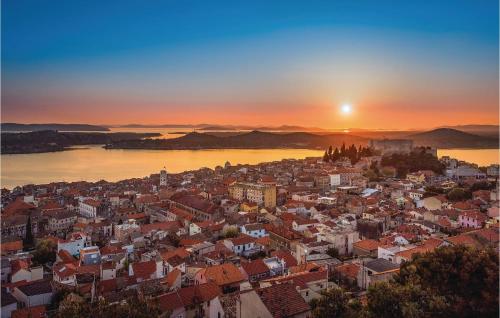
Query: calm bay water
[
  {"x": 481, "y": 157},
  {"x": 93, "y": 163}
]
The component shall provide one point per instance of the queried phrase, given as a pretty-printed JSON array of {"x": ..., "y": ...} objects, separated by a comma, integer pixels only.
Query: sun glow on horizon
[{"x": 346, "y": 109}]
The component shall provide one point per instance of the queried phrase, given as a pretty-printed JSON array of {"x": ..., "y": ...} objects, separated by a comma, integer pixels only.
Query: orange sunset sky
[{"x": 404, "y": 66}]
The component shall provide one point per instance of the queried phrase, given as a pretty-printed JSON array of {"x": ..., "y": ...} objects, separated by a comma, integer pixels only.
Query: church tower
[{"x": 163, "y": 177}]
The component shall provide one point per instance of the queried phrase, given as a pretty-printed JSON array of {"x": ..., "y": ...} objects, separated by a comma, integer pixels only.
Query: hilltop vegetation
[
  {"x": 448, "y": 282},
  {"x": 48, "y": 141},
  {"x": 251, "y": 140},
  {"x": 452, "y": 138}
]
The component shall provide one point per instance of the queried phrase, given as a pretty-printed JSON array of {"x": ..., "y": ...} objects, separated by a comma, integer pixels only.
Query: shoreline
[{"x": 103, "y": 146}]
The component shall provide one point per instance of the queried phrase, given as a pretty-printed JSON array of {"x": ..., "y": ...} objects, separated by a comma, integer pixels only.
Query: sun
[{"x": 346, "y": 109}]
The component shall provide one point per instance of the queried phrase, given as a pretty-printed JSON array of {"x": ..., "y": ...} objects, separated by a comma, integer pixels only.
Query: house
[
  {"x": 416, "y": 195},
  {"x": 90, "y": 208},
  {"x": 280, "y": 300},
  {"x": 378, "y": 270},
  {"x": 255, "y": 270},
  {"x": 175, "y": 262},
  {"x": 472, "y": 219},
  {"x": 242, "y": 245},
  {"x": 90, "y": 255},
  {"x": 34, "y": 294},
  {"x": 60, "y": 220},
  {"x": 196, "y": 228},
  {"x": 74, "y": 244},
  {"x": 407, "y": 254},
  {"x": 348, "y": 273},
  {"x": 21, "y": 270},
  {"x": 310, "y": 285},
  {"x": 389, "y": 252},
  {"x": 193, "y": 301},
  {"x": 108, "y": 270},
  {"x": 283, "y": 238},
  {"x": 64, "y": 273},
  {"x": 147, "y": 270},
  {"x": 227, "y": 276},
  {"x": 366, "y": 247},
  {"x": 256, "y": 230},
  {"x": 11, "y": 247}
]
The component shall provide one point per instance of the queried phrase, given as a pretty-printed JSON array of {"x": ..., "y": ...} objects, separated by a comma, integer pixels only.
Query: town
[{"x": 332, "y": 236}]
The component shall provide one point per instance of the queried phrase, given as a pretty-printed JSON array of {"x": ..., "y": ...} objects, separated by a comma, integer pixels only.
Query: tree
[
  {"x": 334, "y": 303},
  {"x": 330, "y": 151},
  {"x": 29, "y": 240},
  {"x": 75, "y": 306},
  {"x": 336, "y": 154},
  {"x": 326, "y": 158},
  {"x": 466, "y": 278},
  {"x": 458, "y": 194},
  {"x": 392, "y": 300},
  {"x": 482, "y": 185},
  {"x": 230, "y": 231},
  {"x": 448, "y": 282},
  {"x": 45, "y": 252}
]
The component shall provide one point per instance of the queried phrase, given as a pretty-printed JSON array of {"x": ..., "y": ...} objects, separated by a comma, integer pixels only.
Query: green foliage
[
  {"x": 458, "y": 194},
  {"x": 132, "y": 307},
  {"x": 412, "y": 162},
  {"x": 466, "y": 278},
  {"x": 29, "y": 240},
  {"x": 231, "y": 232},
  {"x": 335, "y": 303},
  {"x": 352, "y": 153},
  {"x": 45, "y": 252},
  {"x": 449, "y": 282},
  {"x": 482, "y": 185},
  {"x": 393, "y": 300}
]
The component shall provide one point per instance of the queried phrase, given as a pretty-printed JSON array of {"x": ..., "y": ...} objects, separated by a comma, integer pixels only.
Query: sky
[{"x": 398, "y": 64}]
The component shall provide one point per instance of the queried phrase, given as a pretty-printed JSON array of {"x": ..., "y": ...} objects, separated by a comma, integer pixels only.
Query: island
[{"x": 50, "y": 140}]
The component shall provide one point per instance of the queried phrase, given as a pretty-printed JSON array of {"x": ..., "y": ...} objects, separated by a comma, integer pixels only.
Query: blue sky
[{"x": 155, "y": 60}]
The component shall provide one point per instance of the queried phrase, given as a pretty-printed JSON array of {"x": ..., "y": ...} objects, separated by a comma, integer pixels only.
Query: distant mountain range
[
  {"x": 215, "y": 127},
  {"x": 60, "y": 127},
  {"x": 42, "y": 141},
  {"x": 482, "y": 130},
  {"x": 249, "y": 140},
  {"x": 452, "y": 138},
  {"x": 438, "y": 138}
]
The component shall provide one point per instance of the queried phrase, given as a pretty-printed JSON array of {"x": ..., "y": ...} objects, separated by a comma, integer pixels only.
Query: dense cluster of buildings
[{"x": 236, "y": 241}]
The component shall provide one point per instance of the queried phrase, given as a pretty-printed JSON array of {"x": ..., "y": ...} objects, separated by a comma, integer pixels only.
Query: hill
[
  {"x": 251, "y": 140},
  {"x": 452, "y": 138},
  {"x": 14, "y": 127},
  {"x": 50, "y": 140},
  {"x": 481, "y": 130}
]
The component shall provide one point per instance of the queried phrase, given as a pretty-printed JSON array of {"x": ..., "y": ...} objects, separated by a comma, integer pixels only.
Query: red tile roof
[
  {"x": 223, "y": 274},
  {"x": 367, "y": 245},
  {"x": 283, "y": 300},
  {"x": 188, "y": 296},
  {"x": 144, "y": 270},
  {"x": 255, "y": 267}
]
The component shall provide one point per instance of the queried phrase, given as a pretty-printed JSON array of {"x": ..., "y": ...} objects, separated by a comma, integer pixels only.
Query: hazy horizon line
[{"x": 240, "y": 126}]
